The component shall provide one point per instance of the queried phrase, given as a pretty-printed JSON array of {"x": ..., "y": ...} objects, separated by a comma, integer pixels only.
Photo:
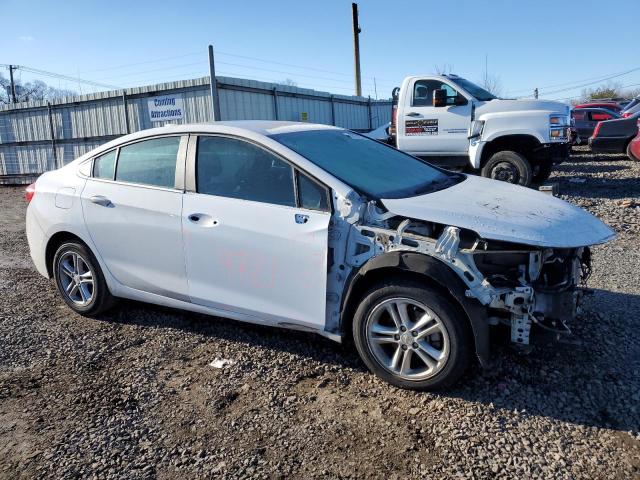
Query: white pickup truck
[{"x": 454, "y": 123}]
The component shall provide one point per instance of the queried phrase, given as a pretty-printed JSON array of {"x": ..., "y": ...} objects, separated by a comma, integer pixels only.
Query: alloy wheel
[
  {"x": 407, "y": 338},
  {"x": 76, "y": 278}
]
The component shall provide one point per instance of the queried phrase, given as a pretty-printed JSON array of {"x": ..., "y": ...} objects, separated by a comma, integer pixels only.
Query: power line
[
  {"x": 66, "y": 77},
  {"x": 597, "y": 79}
]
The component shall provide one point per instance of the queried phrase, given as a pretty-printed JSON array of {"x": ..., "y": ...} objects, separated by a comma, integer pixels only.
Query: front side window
[
  {"x": 423, "y": 92},
  {"x": 233, "y": 168},
  {"x": 150, "y": 162},
  {"x": 368, "y": 166},
  {"x": 312, "y": 195},
  {"x": 104, "y": 166}
]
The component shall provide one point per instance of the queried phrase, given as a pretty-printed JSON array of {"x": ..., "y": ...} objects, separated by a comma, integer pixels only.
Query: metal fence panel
[{"x": 36, "y": 137}]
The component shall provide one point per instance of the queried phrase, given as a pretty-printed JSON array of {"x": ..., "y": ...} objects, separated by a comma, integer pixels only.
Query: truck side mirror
[
  {"x": 440, "y": 98},
  {"x": 460, "y": 100}
]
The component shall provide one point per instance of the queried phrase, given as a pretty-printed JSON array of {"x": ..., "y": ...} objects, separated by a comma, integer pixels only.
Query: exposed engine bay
[{"x": 517, "y": 285}]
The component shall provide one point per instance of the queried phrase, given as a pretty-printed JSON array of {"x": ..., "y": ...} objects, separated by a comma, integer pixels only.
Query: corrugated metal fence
[{"x": 37, "y": 136}]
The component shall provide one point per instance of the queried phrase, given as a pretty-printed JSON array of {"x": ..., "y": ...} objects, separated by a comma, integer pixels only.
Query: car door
[
  {"x": 132, "y": 209},
  {"x": 425, "y": 129},
  {"x": 254, "y": 242}
]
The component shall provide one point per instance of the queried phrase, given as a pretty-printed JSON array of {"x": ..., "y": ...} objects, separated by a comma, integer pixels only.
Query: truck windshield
[
  {"x": 368, "y": 166},
  {"x": 478, "y": 92}
]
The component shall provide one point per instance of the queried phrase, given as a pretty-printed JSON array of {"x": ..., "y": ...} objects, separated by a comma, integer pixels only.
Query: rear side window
[
  {"x": 105, "y": 165},
  {"x": 236, "y": 169},
  {"x": 312, "y": 195},
  {"x": 150, "y": 162}
]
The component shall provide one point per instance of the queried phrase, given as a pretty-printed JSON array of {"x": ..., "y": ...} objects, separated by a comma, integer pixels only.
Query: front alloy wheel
[
  {"x": 412, "y": 336},
  {"x": 407, "y": 338}
]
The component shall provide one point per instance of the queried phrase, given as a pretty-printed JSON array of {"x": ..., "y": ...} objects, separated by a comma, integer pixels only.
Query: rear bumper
[
  {"x": 37, "y": 242},
  {"x": 608, "y": 144}
]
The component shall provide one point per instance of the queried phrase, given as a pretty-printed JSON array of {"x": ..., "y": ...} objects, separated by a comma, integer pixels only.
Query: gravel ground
[{"x": 133, "y": 394}]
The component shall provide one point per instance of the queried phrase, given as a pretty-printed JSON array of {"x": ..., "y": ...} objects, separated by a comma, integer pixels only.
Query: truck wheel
[
  {"x": 509, "y": 167},
  {"x": 543, "y": 173}
]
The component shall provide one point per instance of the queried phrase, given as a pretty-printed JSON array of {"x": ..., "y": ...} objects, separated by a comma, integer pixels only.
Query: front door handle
[
  {"x": 101, "y": 200},
  {"x": 300, "y": 218},
  {"x": 194, "y": 217},
  {"x": 413, "y": 114}
]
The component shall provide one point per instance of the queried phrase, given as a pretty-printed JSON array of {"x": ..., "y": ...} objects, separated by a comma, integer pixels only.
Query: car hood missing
[{"x": 501, "y": 211}]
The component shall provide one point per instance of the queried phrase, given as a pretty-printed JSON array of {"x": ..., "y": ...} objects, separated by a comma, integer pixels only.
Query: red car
[
  {"x": 633, "y": 150},
  {"x": 610, "y": 105}
]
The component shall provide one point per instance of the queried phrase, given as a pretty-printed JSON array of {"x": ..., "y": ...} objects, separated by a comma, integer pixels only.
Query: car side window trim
[
  {"x": 190, "y": 169},
  {"x": 179, "y": 183}
]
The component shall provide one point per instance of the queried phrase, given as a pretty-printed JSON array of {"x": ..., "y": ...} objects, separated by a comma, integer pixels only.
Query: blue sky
[{"x": 543, "y": 43}]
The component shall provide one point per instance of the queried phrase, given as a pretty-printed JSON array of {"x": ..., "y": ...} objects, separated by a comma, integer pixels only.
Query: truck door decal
[{"x": 421, "y": 127}]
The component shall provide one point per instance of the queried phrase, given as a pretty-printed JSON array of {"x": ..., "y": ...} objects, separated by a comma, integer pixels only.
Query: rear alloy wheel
[
  {"x": 508, "y": 166},
  {"x": 411, "y": 336},
  {"x": 80, "y": 280}
]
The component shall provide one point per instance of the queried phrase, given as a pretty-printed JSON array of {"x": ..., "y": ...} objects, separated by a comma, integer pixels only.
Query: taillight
[
  {"x": 596, "y": 130},
  {"x": 29, "y": 192},
  {"x": 626, "y": 115}
]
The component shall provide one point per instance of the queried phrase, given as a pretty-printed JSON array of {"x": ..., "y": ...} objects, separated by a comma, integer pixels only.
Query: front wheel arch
[{"x": 432, "y": 273}]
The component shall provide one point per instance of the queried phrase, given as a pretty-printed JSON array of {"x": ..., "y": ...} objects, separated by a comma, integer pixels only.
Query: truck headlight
[
  {"x": 558, "y": 120},
  {"x": 476, "y": 128}
]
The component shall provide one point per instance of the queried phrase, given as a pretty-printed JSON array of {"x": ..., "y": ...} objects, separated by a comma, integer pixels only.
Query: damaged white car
[{"x": 316, "y": 228}]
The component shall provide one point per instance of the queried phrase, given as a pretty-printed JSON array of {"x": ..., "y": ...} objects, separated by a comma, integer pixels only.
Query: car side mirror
[{"x": 440, "y": 98}]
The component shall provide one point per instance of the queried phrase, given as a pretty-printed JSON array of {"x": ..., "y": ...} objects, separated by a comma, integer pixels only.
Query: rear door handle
[
  {"x": 101, "y": 200},
  {"x": 300, "y": 218},
  {"x": 413, "y": 114}
]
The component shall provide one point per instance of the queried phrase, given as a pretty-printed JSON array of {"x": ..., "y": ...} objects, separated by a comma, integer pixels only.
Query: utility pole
[
  {"x": 13, "y": 84},
  {"x": 486, "y": 71},
  {"x": 535, "y": 93},
  {"x": 356, "y": 47},
  {"x": 213, "y": 85}
]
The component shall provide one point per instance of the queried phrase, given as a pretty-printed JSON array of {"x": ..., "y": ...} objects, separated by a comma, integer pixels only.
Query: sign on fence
[{"x": 166, "y": 107}]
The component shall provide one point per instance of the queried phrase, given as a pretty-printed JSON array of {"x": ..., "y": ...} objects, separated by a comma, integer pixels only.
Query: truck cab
[{"x": 454, "y": 123}]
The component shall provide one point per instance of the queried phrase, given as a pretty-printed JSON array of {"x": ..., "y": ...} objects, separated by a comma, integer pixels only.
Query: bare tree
[
  {"x": 28, "y": 91},
  {"x": 492, "y": 84}
]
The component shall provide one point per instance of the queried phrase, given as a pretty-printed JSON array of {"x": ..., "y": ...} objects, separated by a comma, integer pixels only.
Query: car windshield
[
  {"x": 478, "y": 92},
  {"x": 368, "y": 166}
]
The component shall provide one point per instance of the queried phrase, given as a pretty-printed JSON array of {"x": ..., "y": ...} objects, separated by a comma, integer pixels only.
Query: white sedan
[{"x": 315, "y": 228}]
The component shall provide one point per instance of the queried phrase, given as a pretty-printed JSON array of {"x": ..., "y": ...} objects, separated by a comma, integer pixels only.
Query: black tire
[
  {"x": 101, "y": 298},
  {"x": 460, "y": 345},
  {"x": 630, "y": 153},
  {"x": 508, "y": 166},
  {"x": 543, "y": 173}
]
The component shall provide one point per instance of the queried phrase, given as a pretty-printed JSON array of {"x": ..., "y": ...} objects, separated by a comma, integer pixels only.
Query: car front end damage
[
  {"x": 532, "y": 289},
  {"x": 517, "y": 285}
]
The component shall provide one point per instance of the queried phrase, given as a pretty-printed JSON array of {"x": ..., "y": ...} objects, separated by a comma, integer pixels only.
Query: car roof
[
  {"x": 263, "y": 127},
  {"x": 246, "y": 128}
]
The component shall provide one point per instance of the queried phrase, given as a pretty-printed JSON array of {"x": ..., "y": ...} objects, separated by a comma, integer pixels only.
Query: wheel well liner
[
  {"x": 523, "y": 144},
  {"x": 54, "y": 242},
  {"x": 426, "y": 269}
]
